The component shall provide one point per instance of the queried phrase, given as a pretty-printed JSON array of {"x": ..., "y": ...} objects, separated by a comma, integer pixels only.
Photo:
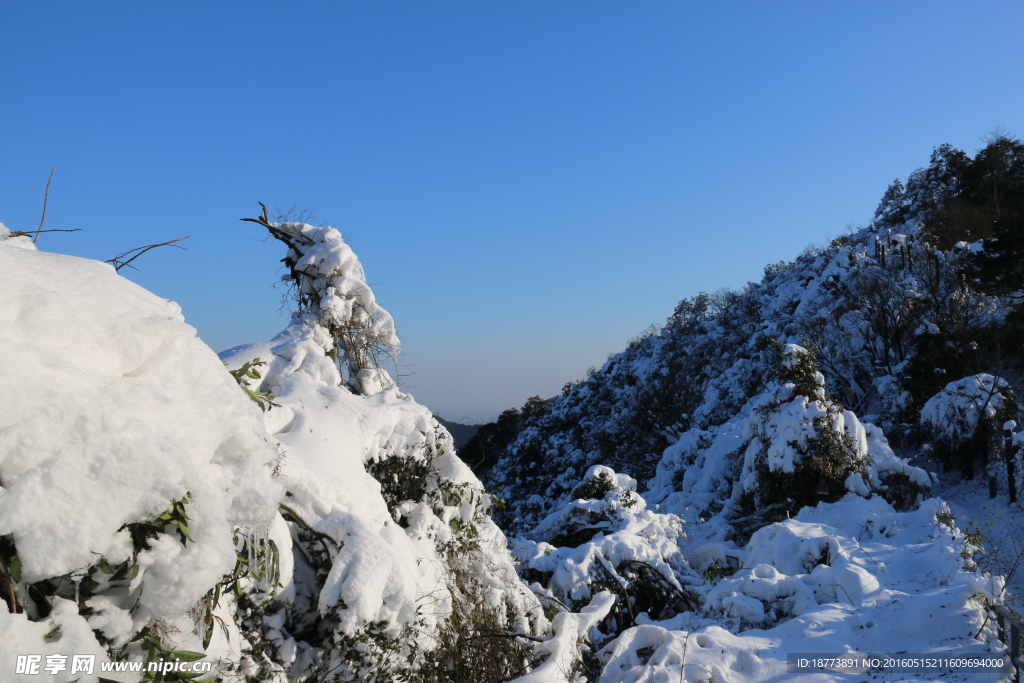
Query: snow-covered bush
[
  {"x": 335, "y": 301},
  {"x": 849, "y": 576},
  {"x": 397, "y": 570},
  {"x": 803, "y": 446},
  {"x": 613, "y": 543},
  {"x": 964, "y": 421},
  {"x": 791, "y": 446},
  {"x": 135, "y": 475}
]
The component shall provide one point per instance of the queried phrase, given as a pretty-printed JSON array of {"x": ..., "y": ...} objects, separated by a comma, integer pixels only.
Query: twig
[
  {"x": 682, "y": 659},
  {"x": 525, "y": 636},
  {"x": 19, "y": 233},
  {"x": 46, "y": 198},
  {"x": 1006, "y": 584},
  {"x": 120, "y": 262},
  {"x": 321, "y": 536},
  {"x": 276, "y": 231},
  {"x": 551, "y": 598}
]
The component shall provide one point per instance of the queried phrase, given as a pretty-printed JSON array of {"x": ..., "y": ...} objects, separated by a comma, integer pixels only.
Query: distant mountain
[{"x": 461, "y": 433}]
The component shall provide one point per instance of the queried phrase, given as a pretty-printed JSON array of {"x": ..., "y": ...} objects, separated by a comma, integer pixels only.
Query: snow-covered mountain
[
  {"x": 892, "y": 314},
  {"x": 754, "y": 482}
]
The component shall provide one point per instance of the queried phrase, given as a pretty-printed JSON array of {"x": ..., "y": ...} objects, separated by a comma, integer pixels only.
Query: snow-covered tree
[
  {"x": 964, "y": 421},
  {"x": 334, "y": 299},
  {"x": 803, "y": 446}
]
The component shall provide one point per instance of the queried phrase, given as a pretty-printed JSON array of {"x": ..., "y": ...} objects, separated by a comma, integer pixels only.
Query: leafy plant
[{"x": 264, "y": 399}]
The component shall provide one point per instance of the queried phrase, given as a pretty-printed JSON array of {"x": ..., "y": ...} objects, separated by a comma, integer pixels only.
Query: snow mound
[
  {"x": 851, "y": 576},
  {"x": 105, "y": 422}
]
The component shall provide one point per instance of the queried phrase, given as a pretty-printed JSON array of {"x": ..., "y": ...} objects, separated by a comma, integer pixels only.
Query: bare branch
[
  {"x": 120, "y": 261},
  {"x": 19, "y": 233},
  {"x": 275, "y": 229},
  {"x": 525, "y": 636},
  {"x": 46, "y": 198},
  {"x": 263, "y": 220}
]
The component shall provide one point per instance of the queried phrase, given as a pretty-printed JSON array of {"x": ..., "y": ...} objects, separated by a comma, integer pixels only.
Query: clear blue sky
[{"x": 528, "y": 184}]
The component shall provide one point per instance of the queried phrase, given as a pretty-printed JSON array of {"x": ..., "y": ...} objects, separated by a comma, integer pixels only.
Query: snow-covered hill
[
  {"x": 285, "y": 529},
  {"x": 752, "y": 483}
]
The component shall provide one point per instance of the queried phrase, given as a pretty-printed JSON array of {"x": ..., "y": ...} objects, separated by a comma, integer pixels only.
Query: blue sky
[{"x": 528, "y": 184}]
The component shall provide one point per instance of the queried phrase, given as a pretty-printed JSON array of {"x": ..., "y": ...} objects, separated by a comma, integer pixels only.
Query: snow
[
  {"x": 106, "y": 419},
  {"x": 562, "y": 648},
  {"x": 113, "y": 412},
  {"x": 113, "y": 409},
  {"x": 853, "y": 576},
  {"x": 91, "y": 426},
  {"x": 328, "y": 436},
  {"x": 956, "y": 411}
]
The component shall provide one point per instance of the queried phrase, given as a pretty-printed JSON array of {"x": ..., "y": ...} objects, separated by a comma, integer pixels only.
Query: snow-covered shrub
[
  {"x": 615, "y": 544},
  {"x": 849, "y": 576},
  {"x": 334, "y": 298},
  {"x": 396, "y": 570},
  {"x": 135, "y": 474},
  {"x": 964, "y": 421},
  {"x": 803, "y": 447},
  {"x": 791, "y": 446}
]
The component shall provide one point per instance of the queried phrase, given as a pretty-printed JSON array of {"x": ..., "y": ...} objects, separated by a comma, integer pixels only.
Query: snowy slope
[
  {"x": 711, "y": 580},
  {"x": 151, "y": 507},
  {"x": 791, "y": 494}
]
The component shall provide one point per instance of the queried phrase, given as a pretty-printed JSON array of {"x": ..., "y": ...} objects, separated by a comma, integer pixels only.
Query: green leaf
[
  {"x": 187, "y": 656},
  {"x": 55, "y": 633},
  {"x": 121, "y": 573},
  {"x": 16, "y": 568},
  {"x": 209, "y": 633},
  {"x": 104, "y": 567},
  {"x": 184, "y": 531},
  {"x": 134, "y": 572}
]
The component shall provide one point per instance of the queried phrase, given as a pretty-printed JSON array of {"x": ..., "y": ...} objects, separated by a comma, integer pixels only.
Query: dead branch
[
  {"x": 525, "y": 636},
  {"x": 120, "y": 261},
  {"x": 287, "y": 237},
  {"x": 19, "y": 233},
  {"x": 46, "y": 198}
]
